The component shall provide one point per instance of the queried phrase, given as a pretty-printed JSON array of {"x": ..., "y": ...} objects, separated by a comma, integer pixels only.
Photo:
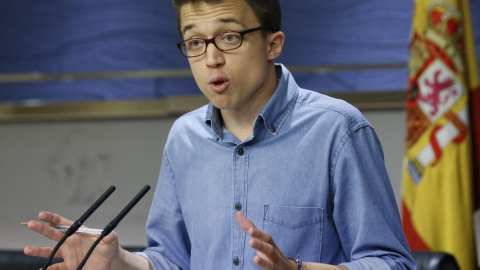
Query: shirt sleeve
[
  {"x": 167, "y": 237},
  {"x": 364, "y": 208}
]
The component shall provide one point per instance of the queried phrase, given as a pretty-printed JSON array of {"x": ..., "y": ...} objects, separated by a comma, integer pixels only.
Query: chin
[
  {"x": 221, "y": 106},
  {"x": 221, "y": 103}
]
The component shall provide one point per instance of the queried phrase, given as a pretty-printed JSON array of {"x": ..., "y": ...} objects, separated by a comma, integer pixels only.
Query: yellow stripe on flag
[{"x": 437, "y": 175}]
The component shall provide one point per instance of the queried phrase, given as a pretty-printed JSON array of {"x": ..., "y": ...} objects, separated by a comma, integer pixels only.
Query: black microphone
[
  {"x": 77, "y": 224},
  {"x": 109, "y": 228}
]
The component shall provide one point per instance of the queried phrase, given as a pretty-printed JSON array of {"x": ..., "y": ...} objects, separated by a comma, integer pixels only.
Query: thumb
[{"x": 111, "y": 238}]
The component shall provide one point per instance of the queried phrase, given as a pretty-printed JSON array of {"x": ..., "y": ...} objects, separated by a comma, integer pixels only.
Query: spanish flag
[{"x": 438, "y": 181}]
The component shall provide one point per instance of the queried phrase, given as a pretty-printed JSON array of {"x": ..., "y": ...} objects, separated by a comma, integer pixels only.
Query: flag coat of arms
[{"x": 437, "y": 200}]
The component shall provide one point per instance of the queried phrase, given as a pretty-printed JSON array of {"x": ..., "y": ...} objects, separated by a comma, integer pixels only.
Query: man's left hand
[{"x": 269, "y": 256}]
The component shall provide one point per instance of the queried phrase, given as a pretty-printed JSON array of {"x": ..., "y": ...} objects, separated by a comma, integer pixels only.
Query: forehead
[{"x": 202, "y": 15}]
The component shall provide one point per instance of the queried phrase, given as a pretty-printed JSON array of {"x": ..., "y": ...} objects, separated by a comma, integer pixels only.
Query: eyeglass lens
[{"x": 223, "y": 42}]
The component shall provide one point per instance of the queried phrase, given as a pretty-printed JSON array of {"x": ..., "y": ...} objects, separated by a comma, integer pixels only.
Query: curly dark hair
[{"x": 268, "y": 12}]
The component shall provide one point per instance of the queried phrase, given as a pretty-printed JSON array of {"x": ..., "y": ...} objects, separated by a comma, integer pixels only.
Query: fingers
[
  {"x": 45, "y": 253},
  {"x": 264, "y": 248},
  {"x": 265, "y": 251},
  {"x": 54, "y": 219},
  {"x": 263, "y": 262},
  {"x": 38, "y": 251},
  {"x": 111, "y": 239},
  {"x": 46, "y": 230},
  {"x": 244, "y": 222},
  {"x": 269, "y": 256},
  {"x": 57, "y": 266},
  {"x": 248, "y": 227}
]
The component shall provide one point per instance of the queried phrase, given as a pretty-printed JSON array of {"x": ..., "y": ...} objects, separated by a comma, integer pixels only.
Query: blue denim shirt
[{"x": 311, "y": 174}]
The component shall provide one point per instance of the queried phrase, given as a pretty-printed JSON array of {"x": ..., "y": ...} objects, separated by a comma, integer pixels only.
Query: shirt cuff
[
  {"x": 158, "y": 261},
  {"x": 367, "y": 263}
]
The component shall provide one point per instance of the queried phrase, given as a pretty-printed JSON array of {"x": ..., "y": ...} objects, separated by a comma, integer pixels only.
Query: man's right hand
[
  {"x": 107, "y": 255},
  {"x": 75, "y": 247}
]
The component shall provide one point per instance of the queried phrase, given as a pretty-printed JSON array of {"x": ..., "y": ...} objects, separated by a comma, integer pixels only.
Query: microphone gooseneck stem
[
  {"x": 78, "y": 223},
  {"x": 111, "y": 226}
]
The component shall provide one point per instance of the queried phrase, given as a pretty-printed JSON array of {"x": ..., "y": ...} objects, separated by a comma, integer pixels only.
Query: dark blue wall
[{"x": 60, "y": 36}]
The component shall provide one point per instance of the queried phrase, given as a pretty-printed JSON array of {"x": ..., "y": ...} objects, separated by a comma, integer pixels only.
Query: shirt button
[
  {"x": 238, "y": 206},
  {"x": 273, "y": 129},
  {"x": 236, "y": 261},
  {"x": 241, "y": 152}
]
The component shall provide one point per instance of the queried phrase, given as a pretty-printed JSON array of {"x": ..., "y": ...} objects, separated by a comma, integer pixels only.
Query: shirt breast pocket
[{"x": 295, "y": 230}]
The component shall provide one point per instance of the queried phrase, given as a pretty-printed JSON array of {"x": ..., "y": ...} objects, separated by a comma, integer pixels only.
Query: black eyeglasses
[{"x": 227, "y": 41}]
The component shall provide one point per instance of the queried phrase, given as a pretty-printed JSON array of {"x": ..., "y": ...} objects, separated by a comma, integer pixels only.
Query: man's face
[{"x": 232, "y": 80}]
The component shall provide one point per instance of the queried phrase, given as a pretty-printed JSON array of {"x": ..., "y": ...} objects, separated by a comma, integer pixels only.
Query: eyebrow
[{"x": 222, "y": 20}]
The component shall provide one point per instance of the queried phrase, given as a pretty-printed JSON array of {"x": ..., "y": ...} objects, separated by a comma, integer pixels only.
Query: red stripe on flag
[
  {"x": 462, "y": 128},
  {"x": 474, "y": 105},
  {"x": 414, "y": 240},
  {"x": 435, "y": 146}
]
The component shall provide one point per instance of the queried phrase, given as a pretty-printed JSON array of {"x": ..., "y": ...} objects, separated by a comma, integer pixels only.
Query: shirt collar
[{"x": 273, "y": 114}]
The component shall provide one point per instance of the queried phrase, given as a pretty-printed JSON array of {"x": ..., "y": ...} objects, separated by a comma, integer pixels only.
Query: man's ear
[{"x": 275, "y": 46}]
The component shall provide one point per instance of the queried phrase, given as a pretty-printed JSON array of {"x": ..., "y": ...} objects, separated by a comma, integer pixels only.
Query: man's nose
[{"x": 214, "y": 57}]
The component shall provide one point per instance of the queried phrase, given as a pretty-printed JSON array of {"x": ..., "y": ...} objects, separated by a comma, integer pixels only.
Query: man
[{"x": 305, "y": 168}]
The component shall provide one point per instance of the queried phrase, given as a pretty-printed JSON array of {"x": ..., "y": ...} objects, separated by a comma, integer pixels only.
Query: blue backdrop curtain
[{"x": 66, "y": 36}]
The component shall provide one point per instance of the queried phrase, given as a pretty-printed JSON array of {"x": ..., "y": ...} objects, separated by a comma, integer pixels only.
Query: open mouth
[{"x": 219, "y": 84}]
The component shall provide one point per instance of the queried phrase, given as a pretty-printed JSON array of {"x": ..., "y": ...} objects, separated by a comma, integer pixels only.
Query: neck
[{"x": 240, "y": 121}]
